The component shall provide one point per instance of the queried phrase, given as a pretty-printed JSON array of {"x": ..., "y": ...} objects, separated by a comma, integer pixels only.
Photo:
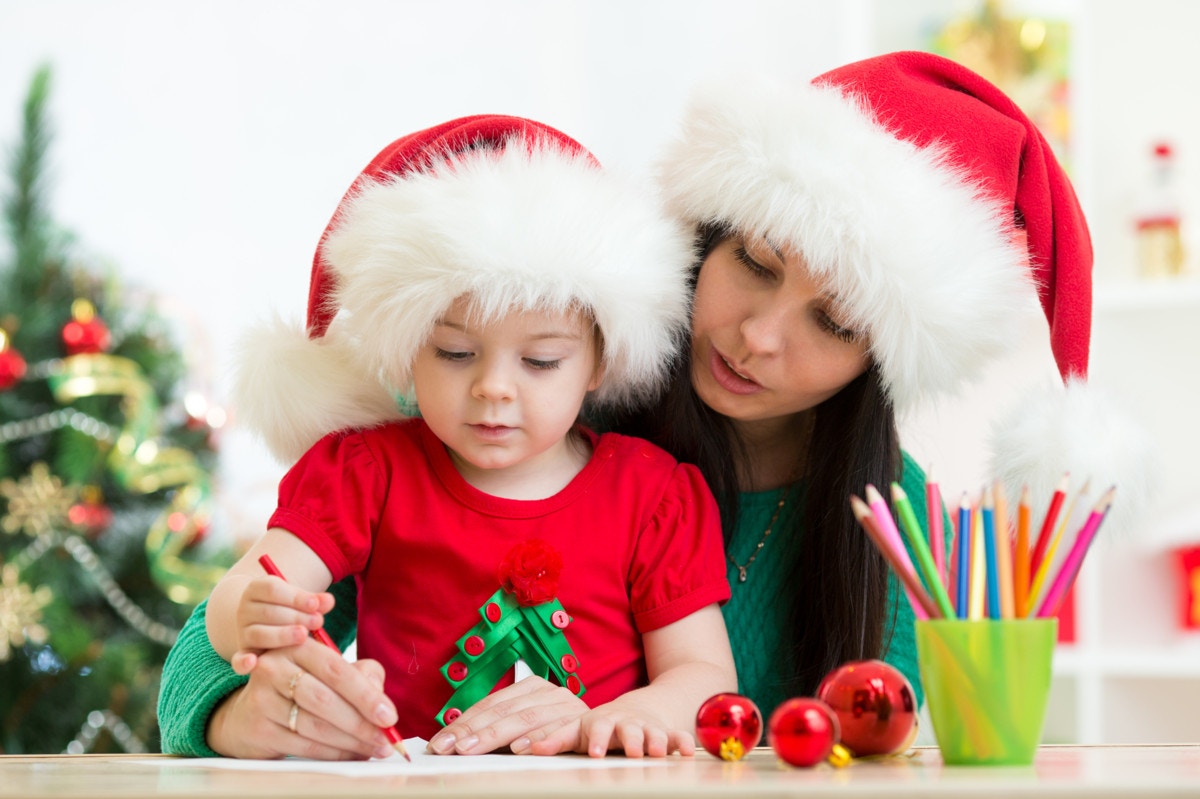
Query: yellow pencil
[
  {"x": 978, "y": 566},
  {"x": 1003, "y": 551}
]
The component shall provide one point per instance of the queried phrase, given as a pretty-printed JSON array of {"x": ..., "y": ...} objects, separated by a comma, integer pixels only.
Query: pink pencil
[
  {"x": 891, "y": 534},
  {"x": 922, "y": 603},
  {"x": 1074, "y": 560},
  {"x": 937, "y": 538}
]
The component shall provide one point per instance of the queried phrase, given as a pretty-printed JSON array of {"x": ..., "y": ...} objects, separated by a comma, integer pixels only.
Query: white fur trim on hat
[
  {"x": 1081, "y": 431},
  {"x": 526, "y": 226},
  {"x": 918, "y": 255}
]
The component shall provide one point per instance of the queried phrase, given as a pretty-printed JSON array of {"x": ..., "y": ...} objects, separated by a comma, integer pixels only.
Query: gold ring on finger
[{"x": 292, "y": 714}]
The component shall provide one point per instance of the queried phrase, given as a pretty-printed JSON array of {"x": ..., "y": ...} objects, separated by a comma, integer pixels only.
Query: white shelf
[
  {"x": 1145, "y": 295},
  {"x": 1182, "y": 662}
]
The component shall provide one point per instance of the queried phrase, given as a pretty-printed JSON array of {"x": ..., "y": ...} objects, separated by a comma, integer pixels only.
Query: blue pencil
[
  {"x": 963, "y": 550},
  {"x": 989, "y": 550}
]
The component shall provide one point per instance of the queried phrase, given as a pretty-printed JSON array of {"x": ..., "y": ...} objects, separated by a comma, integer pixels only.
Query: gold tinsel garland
[{"x": 140, "y": 465}]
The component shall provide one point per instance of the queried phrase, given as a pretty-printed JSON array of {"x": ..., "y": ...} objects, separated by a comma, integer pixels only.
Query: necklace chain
[{"x": 742, "y": 567}]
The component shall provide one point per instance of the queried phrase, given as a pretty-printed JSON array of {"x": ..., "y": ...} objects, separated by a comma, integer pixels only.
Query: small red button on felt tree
[{"x": 523, "y": 621}]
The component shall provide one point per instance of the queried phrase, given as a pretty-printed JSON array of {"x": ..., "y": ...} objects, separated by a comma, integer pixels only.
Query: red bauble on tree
[
  {"x": 875, "y": 706},
  {"x": 12, "y": 365},
  {"x": 729, "y": 725},
  {"x": 86, "y": 332},
  {"x": 804, "y": 732}
]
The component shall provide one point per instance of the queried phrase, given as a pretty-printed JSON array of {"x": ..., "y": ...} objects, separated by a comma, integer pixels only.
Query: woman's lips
[{"x": 728, "y": 379}]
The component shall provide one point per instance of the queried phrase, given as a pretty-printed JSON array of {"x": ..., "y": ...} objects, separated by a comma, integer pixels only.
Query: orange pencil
[
  {"x": 1021, "y": 558},
  {"x": 916, "y": 592},
  {"x": 393, "y": 736}
]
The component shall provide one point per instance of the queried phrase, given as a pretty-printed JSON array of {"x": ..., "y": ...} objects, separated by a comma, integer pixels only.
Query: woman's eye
[
  {"x": 837, "y": 331},
  {"x": 537, "y": 363},
  {"x": 755, "y": 268},
  {"x": 451, "y": 355}
]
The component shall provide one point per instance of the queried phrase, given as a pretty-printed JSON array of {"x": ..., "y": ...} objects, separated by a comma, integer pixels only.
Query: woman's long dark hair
[{"x": 839, "y": 608}]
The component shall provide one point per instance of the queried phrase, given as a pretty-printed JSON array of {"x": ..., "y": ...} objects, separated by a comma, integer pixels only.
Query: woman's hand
[
  {"x": 517, "y": 716},
  {"x": 306, "y": 701}
]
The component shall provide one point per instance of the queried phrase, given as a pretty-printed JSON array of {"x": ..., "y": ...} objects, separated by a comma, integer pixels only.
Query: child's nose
[{"x": 494, "y": 383}]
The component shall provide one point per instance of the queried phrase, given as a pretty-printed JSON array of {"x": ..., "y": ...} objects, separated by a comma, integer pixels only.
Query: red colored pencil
[
  {"x": 1043, "y": 539},
  {"x": 393, "y": 736}
]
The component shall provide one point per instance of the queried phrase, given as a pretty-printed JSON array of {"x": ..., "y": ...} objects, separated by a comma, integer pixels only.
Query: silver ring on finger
[
  {"x": 291, "y": 694},
  {"x": 292, "y": 715}
]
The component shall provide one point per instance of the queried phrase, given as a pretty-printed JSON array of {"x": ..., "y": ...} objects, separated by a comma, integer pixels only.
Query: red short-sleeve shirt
[{"x": 639, "y": 535}]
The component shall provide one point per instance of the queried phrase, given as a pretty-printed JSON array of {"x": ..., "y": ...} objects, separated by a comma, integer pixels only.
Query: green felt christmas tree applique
[{"x": 524, "y": 621}]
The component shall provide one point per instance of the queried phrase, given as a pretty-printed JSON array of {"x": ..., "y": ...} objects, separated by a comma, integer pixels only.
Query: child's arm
[
  {"x": 250, "y": 612},
  {"x": 687, "y": 661}
]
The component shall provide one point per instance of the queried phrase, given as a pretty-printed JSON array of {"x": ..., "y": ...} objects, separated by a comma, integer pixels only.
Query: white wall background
[{"x": 200, "y": 148}]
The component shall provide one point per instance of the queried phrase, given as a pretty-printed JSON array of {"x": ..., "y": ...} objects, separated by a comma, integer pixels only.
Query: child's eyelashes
[
  {"x": 462, "y": 356},
  {"x": 538, "y": 363},
  {"x": 451, "y": 355}
]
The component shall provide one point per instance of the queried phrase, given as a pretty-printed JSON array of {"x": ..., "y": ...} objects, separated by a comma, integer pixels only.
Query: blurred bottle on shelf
[{"x": 1160, "y": 246}]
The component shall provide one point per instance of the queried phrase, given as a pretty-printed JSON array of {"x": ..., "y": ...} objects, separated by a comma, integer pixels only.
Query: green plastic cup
[{"x": 987, "y": 683}]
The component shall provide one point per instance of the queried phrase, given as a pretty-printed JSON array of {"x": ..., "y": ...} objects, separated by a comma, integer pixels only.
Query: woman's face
[{"x": 768, "y": 341}]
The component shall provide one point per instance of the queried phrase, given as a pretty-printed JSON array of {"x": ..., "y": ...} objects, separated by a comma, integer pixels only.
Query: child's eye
[
  {"x": 754, "y": 267},
  {"x": 537, "y": 363},
  {"x": 837, "y": 331},
  {"x": 451, "y": 355}
]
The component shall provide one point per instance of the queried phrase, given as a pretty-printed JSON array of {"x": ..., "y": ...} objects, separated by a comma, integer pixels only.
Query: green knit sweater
[
  {"x": 195, "y": 678},
  {"x": 757, "y": 620}
]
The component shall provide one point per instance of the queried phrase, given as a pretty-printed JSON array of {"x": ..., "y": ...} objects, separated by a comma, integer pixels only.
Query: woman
[{"x": 867, "y": 242}]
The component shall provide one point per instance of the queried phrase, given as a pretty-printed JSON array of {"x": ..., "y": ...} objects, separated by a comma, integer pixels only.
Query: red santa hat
[
  {"x": 938, "y": 213},
  {"x": 508, "y": 211}
]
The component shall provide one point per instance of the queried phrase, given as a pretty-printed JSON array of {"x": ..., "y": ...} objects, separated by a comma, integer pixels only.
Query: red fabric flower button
[{"x": 530, "y": 572}]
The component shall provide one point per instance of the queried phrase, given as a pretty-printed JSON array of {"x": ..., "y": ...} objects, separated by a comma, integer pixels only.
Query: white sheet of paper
[{"x": 422, "y": 763}]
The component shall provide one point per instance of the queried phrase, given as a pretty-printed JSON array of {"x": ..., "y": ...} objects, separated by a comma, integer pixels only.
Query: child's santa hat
[
  {"x": 938, "y": 213},
  {"x": 506, "y": 210}
]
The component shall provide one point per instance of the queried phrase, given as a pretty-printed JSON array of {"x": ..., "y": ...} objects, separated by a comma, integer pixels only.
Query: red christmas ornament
[
  {"x": 12, "y": 365},
  {"x": 803, "y": 732},
  {"x": 91, "y": 514},
  {"x": 875, "y": 707},
  {"x": 729, "y": 725},
  {"x": 85, "y": 333}
]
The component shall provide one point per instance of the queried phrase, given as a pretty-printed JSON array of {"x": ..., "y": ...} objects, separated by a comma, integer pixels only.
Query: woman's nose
[{"x": 764, "y": 330}]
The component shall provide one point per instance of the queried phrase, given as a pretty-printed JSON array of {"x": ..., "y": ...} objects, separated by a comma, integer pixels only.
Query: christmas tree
[{"x": 104, "y": 486}]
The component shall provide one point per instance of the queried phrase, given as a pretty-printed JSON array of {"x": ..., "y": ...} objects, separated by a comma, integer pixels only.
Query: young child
[{"x": 489, "y": 273}]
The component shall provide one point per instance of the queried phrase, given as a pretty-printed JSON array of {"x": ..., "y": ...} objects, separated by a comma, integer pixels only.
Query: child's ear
[{"x": 597, "y": 375}]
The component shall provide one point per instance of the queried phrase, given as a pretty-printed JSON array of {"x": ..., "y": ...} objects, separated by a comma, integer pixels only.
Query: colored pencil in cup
[
  {"x": 393, "y": 736},
  {"x": 1003, "y": 551},
  {"x": 887, "y": 526},
  {"x": 963, "y": 558},
  {"x": 1021, "y": 557},
  {"x": 1074, "y": 560},
  {"x": 922, "y": 604},
  {"x": 988, "y": 511},
  {"x": 937, "y": 538},
  {"x": 916, "y": 537},
  {"x": 1043, "y": 539},
  {"x": 1042, "y": 574},
  {"x": 978, "y": 593}
]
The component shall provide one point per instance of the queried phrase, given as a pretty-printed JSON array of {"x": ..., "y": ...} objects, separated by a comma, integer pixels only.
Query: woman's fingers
[{"x": 525, "y": 710}]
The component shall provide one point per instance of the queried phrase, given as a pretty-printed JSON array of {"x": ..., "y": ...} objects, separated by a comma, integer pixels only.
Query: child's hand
[
  {"x": 621, "y": 724},
  {"x": 272, "y": 614}
]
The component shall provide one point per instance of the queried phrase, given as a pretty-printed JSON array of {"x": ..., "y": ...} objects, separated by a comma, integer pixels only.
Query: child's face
[{"x": 504, "y": 395}]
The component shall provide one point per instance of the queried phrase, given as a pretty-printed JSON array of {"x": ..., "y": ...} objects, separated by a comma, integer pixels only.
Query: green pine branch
[{"x": 25, "y": 209}]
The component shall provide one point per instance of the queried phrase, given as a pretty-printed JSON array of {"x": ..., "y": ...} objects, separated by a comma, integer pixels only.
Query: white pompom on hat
[
  {"x": 508, "y": 211},
  {"x": 938, "y": 214}
]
